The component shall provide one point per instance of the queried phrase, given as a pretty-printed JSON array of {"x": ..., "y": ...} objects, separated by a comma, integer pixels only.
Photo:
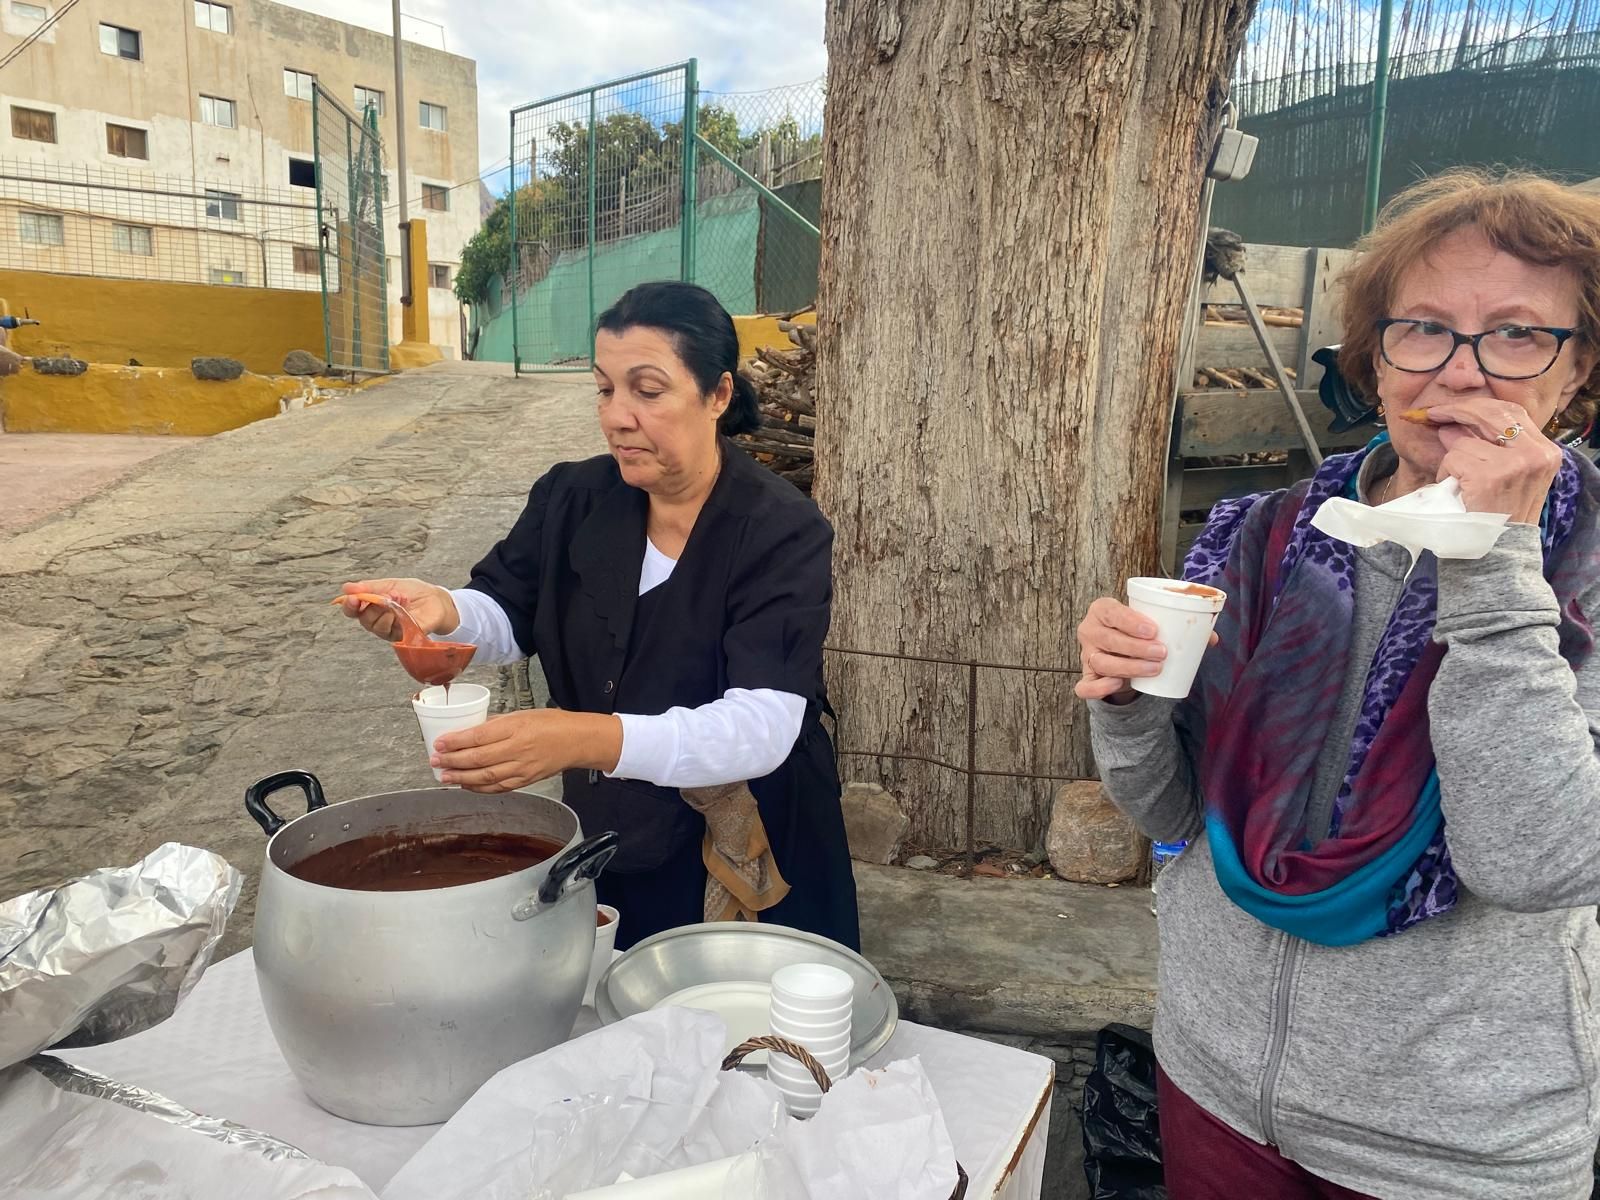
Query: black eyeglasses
[{"x": 1505, "y": 352}]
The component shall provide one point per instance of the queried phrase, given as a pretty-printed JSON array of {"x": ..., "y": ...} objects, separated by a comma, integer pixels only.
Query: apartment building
[{"x": 130, "y": 95}]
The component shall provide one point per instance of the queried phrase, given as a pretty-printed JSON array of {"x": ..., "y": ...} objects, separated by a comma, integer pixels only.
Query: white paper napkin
[{"x": 1430, "y": 518}]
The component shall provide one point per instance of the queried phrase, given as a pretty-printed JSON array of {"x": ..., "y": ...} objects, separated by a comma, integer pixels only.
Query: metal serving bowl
[{"x": 740, "y": 951}]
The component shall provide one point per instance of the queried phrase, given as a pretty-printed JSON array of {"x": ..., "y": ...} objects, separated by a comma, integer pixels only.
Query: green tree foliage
[
  {"x": 636, "y": 163},
  {"x": 485, "y": 255}
]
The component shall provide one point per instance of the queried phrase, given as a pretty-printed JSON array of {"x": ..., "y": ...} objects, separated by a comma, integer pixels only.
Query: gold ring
[{"x": 1509, "y": 434}]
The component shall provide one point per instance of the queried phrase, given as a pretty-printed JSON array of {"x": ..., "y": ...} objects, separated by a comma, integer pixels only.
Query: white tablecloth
[{"x": 216, "y": 1056}]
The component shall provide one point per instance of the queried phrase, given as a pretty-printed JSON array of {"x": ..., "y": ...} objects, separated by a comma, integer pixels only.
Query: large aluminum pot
[{"x": 392, "y": 1008}]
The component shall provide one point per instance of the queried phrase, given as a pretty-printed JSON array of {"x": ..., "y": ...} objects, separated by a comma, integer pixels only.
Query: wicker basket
[{"x": 803, "y": 1056}]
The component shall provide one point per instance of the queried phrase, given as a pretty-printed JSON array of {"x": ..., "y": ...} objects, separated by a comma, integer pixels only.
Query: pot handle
[
  {"x": 584, "y": 861},
  {"x": 255, "y": 797}
]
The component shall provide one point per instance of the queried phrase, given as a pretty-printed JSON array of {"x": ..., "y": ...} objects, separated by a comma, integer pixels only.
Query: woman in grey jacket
[{"x": 1378, "y": 954}]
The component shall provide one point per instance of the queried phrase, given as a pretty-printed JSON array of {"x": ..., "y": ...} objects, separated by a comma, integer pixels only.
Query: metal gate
[
  {"x": 592, "y": 168},
  {"x": 350, "y": 196}
]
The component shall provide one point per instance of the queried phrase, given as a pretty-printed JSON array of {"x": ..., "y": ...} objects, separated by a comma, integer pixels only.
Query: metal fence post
[
  {"x": 972, "y": 767},
  {"x": 592, "y": 313},
  {"x": 510, "y": 288},
  {"x": 691, "y": 187},
  {"x": 322, "y": 239},
  {"x": 353, "y": 194},
  {"x": 375, "y": 174}
]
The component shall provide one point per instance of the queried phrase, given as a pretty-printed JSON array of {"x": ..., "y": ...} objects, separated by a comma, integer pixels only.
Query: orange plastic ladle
[{"x": 431, "y": 663}]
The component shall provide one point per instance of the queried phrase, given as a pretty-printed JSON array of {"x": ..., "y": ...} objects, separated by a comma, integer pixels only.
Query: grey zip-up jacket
[{"x": 1457, "y": 1060}]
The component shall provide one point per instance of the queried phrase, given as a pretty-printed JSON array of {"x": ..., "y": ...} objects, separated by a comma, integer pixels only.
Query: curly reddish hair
[{"x": 1533, "y": 218}]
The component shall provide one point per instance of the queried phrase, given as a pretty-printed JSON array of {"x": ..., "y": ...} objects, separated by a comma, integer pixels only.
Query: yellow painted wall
[
  {"x": 110, "y": 399},
  {"x": 764, "y": 331},
  {"x": 161, "y": 324}
]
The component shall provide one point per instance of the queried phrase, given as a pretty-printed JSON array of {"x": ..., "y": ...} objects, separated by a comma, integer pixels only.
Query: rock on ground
[
  {"x": 216, "y": 368},
  {"x": 875, "y": 822},
  {"x": 1090, "y": 841},
  {"x": 303, "y": 362},
  {"x": 60, "y": 366}
]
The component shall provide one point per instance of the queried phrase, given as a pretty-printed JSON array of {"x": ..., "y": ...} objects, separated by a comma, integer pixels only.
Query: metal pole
[
  {"x": 971, "y": 858},
  {"x": 762, "y": 189},
  {"x": 322, "y": 226},
  {"x": 691, "y": 186},
  {"x": 352, "y": 290},
  {"x": 1290, "y": 398},
  {"x": 400, "y": 117},
  {"x": 510, "y": 287},
  {"x": 1380, "y": 104},
  {"x": 592, "y": 313}
]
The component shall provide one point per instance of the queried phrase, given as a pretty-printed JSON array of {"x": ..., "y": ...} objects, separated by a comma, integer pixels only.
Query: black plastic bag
[{"x": 1121, "y": 1131}]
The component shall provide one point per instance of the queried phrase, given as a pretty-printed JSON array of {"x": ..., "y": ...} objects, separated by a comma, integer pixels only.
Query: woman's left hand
[
  {"x": 1513, "y": 476},
  {"x": 511, "y": 751}
]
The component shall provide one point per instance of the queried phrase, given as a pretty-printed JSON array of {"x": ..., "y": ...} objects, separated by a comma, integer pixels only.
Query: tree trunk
[{"x": 1010, "y": 210}]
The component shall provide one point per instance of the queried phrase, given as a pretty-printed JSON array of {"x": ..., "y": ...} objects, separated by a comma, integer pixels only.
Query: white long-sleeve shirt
[{"x": 746, "y": 734}]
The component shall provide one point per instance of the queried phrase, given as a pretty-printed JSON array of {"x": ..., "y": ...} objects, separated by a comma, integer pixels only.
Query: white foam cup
[
  {"x": 807, "y": 1017},
  {"x": 828, "y": 1047},
  {"x": 468, "y": 706},
  {"x": 1184, "y": 615},
  {"x": 812, "y": 987}
]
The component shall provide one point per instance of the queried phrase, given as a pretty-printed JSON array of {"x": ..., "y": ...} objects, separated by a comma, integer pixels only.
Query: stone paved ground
[
  {"x": 46, "y": 472},
  {"x": 170, "y": 640}
]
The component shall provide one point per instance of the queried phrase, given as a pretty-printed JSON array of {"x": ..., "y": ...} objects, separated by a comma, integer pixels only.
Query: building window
[
  {"x": 132, "y": 239},
  {"x": 305, "y": 261},
  {"x": 438, "y": 275},
  {"x": 33, "y": 124},
  {"x": 119, "y": 42},
  {"x": 298, "y": 84},
  {"x": 433, "y": 116},
  {"x": 42, "y": 229},
  {"x": 224, "y": 205},
  {"x": 302, "y": 173},
  {"x": 368, "y": 98},
  {"x": 216, "y": 111},
  {"x": 29, "y": 12},
  {"x": 218, "y": 18},
  {"x": 435, "y": 198},
  {"x": 124, "y": 141},
  {"x": 228, "y": 276}
]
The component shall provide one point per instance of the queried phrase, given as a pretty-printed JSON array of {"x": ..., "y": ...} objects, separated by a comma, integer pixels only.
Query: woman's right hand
[
  {"x": 429, "y": 604},
  {"x": 1115, "y": 646}
]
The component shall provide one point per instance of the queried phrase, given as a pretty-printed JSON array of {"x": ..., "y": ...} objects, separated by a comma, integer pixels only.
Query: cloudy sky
[{"x": 526, "y": 49}]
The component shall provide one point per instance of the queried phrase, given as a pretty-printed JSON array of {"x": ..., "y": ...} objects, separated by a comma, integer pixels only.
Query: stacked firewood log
[
  {"x": 1243, "y": 378},
  {"x": 785, "y": 382}
]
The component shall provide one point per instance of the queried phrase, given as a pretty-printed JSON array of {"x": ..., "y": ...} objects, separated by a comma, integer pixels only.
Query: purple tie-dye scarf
[{"x": 1266, "y": 695}]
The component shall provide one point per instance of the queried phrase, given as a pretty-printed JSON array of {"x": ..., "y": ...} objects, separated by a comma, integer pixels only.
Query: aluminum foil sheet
[
  {"x": 112, "y": 953},
  {"x": 86, "y": 1083}
]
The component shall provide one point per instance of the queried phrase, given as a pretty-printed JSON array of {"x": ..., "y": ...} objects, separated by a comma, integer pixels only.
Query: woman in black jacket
[{"x": 677, "y": 595}]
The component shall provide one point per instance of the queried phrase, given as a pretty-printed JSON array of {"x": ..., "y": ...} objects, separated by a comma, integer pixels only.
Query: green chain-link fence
[
  {"x": 349, "y": 178},
  {"x": 760, "y": 197},
  {"x": 601, "y": 179},
  {"x": 610, "y": 193}
]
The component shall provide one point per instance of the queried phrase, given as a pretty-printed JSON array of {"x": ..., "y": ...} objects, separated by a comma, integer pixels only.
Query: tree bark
[{"x": 1009, "y": 215}]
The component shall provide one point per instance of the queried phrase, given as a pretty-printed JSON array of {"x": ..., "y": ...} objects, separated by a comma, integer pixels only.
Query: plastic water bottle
[{"x": 1161, "y": 853}]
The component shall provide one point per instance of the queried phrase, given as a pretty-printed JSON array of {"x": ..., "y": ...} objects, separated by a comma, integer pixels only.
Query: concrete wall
[
  {"x": 161, "y": 324},
  {"x": 66, "y": 73},
  {"x": 143, "y": 400}
]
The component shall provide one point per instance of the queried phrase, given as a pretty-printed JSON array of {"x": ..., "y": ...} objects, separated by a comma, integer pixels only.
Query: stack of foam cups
[{"x": 811, "y": 1004}]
